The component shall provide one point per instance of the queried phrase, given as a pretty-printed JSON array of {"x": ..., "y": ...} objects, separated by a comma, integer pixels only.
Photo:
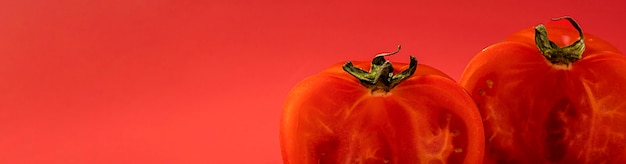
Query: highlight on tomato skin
[
  {"x": 550, "y": 94},
  {"x": 394, "y": 113}
]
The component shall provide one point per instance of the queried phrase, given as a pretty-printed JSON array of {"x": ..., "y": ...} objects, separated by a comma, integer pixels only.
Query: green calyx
[
  {"x": 559, "y": 55},
  {"x": 380, "y": 76}
]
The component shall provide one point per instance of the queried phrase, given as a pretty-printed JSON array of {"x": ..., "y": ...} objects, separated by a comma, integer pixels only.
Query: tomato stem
[
  {"x": 556, "y": 54},
  {"x": 381, "y": 74}
]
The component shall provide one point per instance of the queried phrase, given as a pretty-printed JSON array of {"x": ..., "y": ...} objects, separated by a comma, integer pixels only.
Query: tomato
[
  {"x": 550, "y": 94},
  {"x": 418, "y": 115}
]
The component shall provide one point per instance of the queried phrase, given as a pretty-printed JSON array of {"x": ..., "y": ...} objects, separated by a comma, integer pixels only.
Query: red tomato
[
  {"x": 555, "y": 97},
  {"x": 419, "y": 115}
]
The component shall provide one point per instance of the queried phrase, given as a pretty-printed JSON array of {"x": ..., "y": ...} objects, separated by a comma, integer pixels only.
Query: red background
[{"x": 171, "y": 81}]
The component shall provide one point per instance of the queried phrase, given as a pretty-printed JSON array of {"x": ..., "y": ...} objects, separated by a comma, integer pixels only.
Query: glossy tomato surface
[
  {"x": 427, "y": 118},
  {"x": 535, "y": 111}
]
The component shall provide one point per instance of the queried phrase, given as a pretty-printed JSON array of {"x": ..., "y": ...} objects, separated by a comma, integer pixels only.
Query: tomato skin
[
  {"x": 331, "y": 118},
  {"x": 537, "y": 112}
]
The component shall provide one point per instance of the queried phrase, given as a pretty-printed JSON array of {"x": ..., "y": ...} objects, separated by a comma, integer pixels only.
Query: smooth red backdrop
[{"x": 175, "y": 81}]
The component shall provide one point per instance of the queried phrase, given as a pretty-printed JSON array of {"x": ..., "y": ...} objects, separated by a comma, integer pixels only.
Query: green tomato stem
[
  {"x": 380, "y": 76},
  {"x": 554, "y": 53}
]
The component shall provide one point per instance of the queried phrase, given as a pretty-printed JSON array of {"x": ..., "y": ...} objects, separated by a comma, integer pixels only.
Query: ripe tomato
[
  {"x": 419, "y": 115},
  {"x": 555, "y": 97}
]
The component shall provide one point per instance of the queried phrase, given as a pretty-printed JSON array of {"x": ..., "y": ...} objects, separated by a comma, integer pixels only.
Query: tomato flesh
[
  {"x": 331, "y": 118},
  {"x": 538, "y": 112}
]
